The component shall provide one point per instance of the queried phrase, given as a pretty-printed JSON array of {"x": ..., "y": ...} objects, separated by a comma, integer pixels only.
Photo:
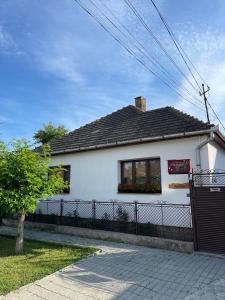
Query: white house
[{"x": 135, "y": 154}]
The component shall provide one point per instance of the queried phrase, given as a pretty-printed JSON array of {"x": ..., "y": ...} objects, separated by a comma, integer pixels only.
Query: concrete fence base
[{"x": 140, "y": 240}]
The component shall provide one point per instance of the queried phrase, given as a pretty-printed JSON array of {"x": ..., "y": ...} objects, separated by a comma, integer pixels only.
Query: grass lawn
[{"x": 38, "y": 260}]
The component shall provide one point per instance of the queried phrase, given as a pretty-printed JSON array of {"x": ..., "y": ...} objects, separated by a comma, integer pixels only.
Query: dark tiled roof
[{"x": 126, "y": 124}]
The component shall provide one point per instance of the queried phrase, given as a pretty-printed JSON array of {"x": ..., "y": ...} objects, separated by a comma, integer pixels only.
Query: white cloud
[
  {"x": 97, "y": 105},
  {"x": 4, "y": 120},
  {"x": 63, "y": 67},
  {"x": 95, "y": 70},
  {"x": 7, "y": 43},
  {"x": 58, "y": 57},
  {"x": 6, "y": 40},
  {"x": 10, "y": 104},
  {"x": 207, "y": 53}
]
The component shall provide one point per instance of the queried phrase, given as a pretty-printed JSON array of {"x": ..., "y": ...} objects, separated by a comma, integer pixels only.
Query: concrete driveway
[{"x": 123, "y": 271}]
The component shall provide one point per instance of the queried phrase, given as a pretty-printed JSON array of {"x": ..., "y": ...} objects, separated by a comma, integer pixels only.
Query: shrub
[{"x": 121, "y": 214}]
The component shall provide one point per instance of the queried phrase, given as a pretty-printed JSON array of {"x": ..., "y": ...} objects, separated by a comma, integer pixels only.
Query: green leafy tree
[
  {"x": 4, "y": 212},
  {"x": 25, "y": 178},
  {"x": 49, "y": 133}
]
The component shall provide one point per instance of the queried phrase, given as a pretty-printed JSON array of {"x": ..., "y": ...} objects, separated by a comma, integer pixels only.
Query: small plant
[
  {"x": 88, "y": 223},
  {"x": 76, "y": 214},
  {"x": 39, "y": 211},
  {"x": 139, "y": 188},
  {"x": 122, "y": 215},
  {"x": 106, "y": 216}
]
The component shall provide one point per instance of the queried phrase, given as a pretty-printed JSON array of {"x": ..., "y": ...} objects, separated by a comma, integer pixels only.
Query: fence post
[
  {"x": 162, "y": 214},
  {"x": 61, "y": 211},
  {"x": 93, "y": 209},
  {"x": 190, "y": 216},
  {"x": 136, "y": 216}
]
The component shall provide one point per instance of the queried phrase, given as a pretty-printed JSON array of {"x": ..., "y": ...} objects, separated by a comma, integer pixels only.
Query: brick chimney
[{"x": 140, "y": 102}]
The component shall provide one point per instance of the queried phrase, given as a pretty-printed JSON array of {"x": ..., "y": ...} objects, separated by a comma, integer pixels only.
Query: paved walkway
[{"x": 126, "y": 272}]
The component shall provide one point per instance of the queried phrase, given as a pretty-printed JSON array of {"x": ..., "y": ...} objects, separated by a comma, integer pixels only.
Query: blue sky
[{"x": 57, "y": 64}]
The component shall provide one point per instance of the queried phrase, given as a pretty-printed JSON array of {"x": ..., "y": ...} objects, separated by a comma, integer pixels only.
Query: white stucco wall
[
  {"x": 96, "y": 174},
  {"x": 216, "y": 157},
  {"x": 204, "y": 158}
]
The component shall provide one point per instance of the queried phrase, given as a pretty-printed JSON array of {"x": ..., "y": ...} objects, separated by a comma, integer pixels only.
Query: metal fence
[
  {"x": 208, "y": 178},
  {"x": 164, "y": 220}
]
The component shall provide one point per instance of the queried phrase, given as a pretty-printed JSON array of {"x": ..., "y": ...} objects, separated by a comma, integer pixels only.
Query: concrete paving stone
[
  {"x": 60, "y": 289},
  {"x": 23, "y": 295},
  {"x": 46, "y": 293},
  {"x": 126, "y": 272}
]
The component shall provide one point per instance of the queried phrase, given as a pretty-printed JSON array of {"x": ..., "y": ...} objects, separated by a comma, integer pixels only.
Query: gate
[{"x": 208, "y": 211}]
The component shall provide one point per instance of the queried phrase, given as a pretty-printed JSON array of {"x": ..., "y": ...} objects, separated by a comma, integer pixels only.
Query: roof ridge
[
  {"x": 183, "y": 114},
  {"x": 129, "y": 123},
  {"x": 159, "y": 108},
  {"x": 104, "y": 117}
]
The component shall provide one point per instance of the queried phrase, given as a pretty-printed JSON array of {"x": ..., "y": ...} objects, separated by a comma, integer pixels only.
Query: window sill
[
  {"x": 138, "y": 192},
  {"x": 139, "y": 188}
]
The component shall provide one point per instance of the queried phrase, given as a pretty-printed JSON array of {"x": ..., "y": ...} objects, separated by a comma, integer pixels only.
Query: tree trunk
[{"x": 20, "y": 228}]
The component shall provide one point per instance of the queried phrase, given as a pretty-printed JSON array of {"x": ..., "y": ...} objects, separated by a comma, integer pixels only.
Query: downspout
[{"x": 198, "y": 149}]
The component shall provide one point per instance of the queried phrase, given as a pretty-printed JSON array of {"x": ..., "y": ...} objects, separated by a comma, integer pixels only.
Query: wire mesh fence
[
  {"x": 209, "y": 178},
  {"x": 162, "y": 220}
]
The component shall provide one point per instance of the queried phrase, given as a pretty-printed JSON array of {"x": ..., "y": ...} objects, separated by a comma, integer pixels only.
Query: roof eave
[
  {"x": 136, "y": 141},
  {"x": 219, "y": 138}
]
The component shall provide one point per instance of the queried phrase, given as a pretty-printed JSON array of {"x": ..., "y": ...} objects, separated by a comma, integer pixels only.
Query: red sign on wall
[{"x": 181, "y": 166}]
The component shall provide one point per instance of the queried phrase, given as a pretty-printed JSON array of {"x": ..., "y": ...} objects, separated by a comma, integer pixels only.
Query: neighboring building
[{"x": 134, "y": 154}]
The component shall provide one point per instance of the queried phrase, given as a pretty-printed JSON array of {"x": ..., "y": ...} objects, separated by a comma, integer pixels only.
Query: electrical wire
[
  {"x": 180, "y": 50},
  {"x": 164, "y": 50},
  {"x": 157, "y": 41},
  {"x": 216, "y": 115},
  {"x": 178, "y": 46},
  {"x": 131, "y": 52},
  {"x": 143, "y": 49}
]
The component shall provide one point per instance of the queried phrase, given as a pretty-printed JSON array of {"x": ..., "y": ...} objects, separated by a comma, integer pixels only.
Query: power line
[
  {"x": 131, "y": 52},
  {"x": 180, "y": 49},
  {"x": 177, "y": 45},
  {"x": 157, "y": 41},
  {"x": 145, "y": 52},
  {"x": 216, "y": 115},
  {"x": 140, "y": 61},
  {"x": 203, "y": 93},
  {"x": 175, "y": 42}
]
